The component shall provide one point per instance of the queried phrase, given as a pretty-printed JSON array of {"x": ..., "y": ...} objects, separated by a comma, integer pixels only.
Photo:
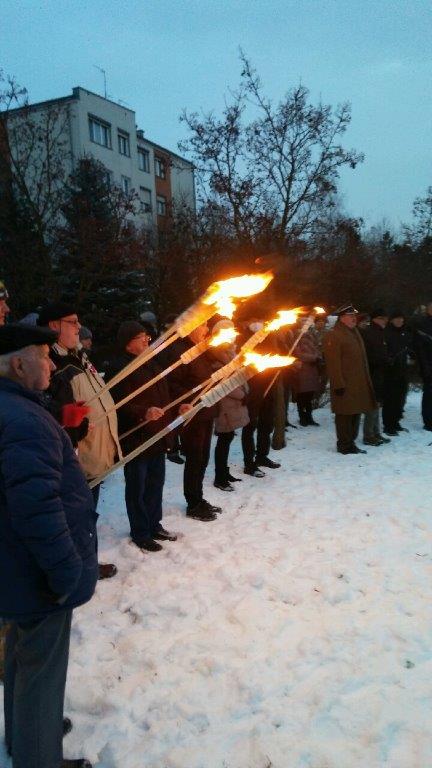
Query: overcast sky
[{"x": 163, "y": 55}]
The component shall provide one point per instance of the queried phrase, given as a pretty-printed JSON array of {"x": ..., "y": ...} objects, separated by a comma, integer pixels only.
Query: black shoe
[
  {"x": 106, "y": 571},
  {"x": 175, "y": 458},
  {"x": 266, "y": 462},
  {"x": 82, "y": 763},
  {"x": 200, "y": 512},
  {"x": 232, "y": 479},
  {"x": 391, "y": 432},
  {"x": 356, "y": 449},
  {"x": 399, "y": 428},
  {"x": 211, "y": 507},
  {"x": 382, "y": 439},
  {"x": 254, "y": 472},
  {"x": 163, "y": 535},
  {"x": 347, "y": 451},
  {"x": 67, "y": 726},
  {"x": 313, "y": 423},
  {"x": 373, "y": 441},
  {"x": 149, "y": 544},
  {"x": 223, "y": 486}
]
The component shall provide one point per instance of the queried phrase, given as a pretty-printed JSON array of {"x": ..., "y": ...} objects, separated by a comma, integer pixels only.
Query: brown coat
[{"x": 348, "y": 369}]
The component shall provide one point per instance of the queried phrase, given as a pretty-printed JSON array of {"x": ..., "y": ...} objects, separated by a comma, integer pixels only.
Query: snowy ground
[{"x": 293, "y": 632}]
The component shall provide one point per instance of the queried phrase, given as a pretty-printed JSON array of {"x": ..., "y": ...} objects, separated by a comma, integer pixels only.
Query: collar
[{"x": 7, "y": 385}]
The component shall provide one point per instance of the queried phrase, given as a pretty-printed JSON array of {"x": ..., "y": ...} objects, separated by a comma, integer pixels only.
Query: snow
[{"x": 293, "y": 632}]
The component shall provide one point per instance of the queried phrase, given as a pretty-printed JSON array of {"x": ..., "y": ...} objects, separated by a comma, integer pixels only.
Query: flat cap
[
  {"x": 16, "y": 336},
  {"x": 55, "y": 310}
]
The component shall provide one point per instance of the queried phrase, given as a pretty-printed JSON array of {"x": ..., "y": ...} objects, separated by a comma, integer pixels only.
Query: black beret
[
  {"x": 16, "y": 336},
  {"x": 56, "y": 310}
]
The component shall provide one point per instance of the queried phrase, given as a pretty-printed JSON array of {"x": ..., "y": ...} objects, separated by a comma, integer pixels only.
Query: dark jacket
[
  {"x": 185, "y": 377},
  {"x": 47, "y": 518},
  {"x": 399, "y": 345},
  {"x": 134, "y": 412},
  {"x": 348, "y": 369},
  {"x": 423, "y": 348},
  {"x": 376, "y": 349}
]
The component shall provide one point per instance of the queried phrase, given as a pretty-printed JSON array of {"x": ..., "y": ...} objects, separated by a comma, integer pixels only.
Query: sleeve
[
  {"x": 333, "y": 358},
  {"x": 61, "y": 393},
  {"x": 32, "y": 465}
]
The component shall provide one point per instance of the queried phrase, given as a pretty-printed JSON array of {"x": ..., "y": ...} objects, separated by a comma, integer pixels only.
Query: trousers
[
  {"x": 144, "y": 482},
  {"x": 427, "y": 404},
  {"x": 261, "y": 422},
  {"x": 221, "y": 454},
  {"x": 395, "y": 393},
  {"x": 347, "y": 429},
  {"x": 36, "y": 660},
  {"x": 371, "y": 424},
  {"x": 195, "y": 441}
]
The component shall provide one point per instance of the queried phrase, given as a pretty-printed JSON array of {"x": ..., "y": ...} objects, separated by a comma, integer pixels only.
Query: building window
[
  {"x": 160, "y": 168},
  {"x": 123, "y": 143},
  {"x": 161, "y": 205},
  {"x": 126, "y": 184},
  {"x": 146, "y": 200},
  {"x": 144, "y": 160},
  {"x": 109, "y": 178},
  {"x": 100, "y": 132}
]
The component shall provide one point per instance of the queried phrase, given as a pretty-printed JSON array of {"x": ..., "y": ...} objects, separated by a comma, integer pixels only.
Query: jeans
[
  {"x": 36, "y": 660},
  {"x": 144, "y": 482}
]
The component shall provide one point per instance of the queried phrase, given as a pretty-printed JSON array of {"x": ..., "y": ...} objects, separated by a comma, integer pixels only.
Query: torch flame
[
  {"x": 319, "y": 311},
  {"x": 224, "y": 336},
  {"x": 286, "y": 317},
  {"x": 262, "y": 362},
  {"x": 222, "y": 293}
]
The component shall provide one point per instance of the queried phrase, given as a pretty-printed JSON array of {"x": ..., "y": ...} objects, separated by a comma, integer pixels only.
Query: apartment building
[{"x": 107, "y": 131}]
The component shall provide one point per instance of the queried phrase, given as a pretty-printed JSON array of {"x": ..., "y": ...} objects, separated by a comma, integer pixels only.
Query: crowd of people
[{"x": 61, "y": 429}]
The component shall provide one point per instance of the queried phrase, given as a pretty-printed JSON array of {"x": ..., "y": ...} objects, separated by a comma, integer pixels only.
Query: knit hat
[
  {"x": 3, "y": 291},
  {"x": 130, "y": 329},
  {"x": 85, "y": 333},
  {"x": 378, "y": 312},
  {"x": 15, "y": 336},
  {"x": 396, "y": 313},
  {"x": 55, "y": 310}
]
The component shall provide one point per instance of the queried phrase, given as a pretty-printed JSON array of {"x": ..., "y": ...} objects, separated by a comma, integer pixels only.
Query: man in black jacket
[
  {"x": 398, "y": 341},
  {"x": 423, "y": 349},
  {"x": 196, "y": 436},
  {"x": 376, "y": 350},
  {"x": 144, "y": 475}
]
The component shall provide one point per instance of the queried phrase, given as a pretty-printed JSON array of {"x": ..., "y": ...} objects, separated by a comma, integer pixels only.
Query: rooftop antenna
[{"x": 104, "y": 78}]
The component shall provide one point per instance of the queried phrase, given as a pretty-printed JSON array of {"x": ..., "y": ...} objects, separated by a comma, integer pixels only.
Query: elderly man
[
  {"x": 75, "y": 381},
  {"x": 350, "y": 384},
  {"x": 4, "y": 309},
  {"x": 48, "y": 563}
]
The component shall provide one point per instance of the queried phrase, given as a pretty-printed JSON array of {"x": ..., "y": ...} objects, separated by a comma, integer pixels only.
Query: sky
[{"x": 162, "y": 56}]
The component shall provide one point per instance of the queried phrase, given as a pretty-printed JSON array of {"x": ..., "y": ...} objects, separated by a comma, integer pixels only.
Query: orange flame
[
  {"x": 222, "y": 293},
  {"x": 262, "y": 362},
  {"x": 224, "y": 336},
  {"x": 286, "y": 317},
  {"x": 319, "y": 310}
]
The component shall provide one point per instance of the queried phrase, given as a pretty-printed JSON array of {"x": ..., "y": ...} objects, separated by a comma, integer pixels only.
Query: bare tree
[{"x": 269, "y": 166}]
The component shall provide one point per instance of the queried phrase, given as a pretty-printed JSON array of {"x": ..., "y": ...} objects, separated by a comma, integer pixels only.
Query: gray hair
[{"x": 5, "y": 360}]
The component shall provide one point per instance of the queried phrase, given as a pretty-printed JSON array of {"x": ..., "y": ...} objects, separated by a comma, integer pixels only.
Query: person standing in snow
[
  {"x": 350, "y": 384},
  {"x": 423, "y": 350},
  {"x": 48, "y": 562},
  {"x": 375, "y": 343},
  {"x": 4, "y": 308},
  {"x": 399, "y": 345},
  {"x": 74, "y": 382},
  {"x": 144, "y": 475},
  {"x": 306, "y": 380}
]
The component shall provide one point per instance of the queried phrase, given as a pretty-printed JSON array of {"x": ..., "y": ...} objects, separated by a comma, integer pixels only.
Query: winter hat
[
  {"x": 397, "y": 313},
  {"x": 85, "y": 333},
  {"x": 3, "y": 291},
  {"x": 378, "y": 312},
  {"x": 149, "y": 317},
  {"x": 55, "y": 310},
  {"x": 16, "y": 336},
  {"x": 225, "y": 323},
  {"x": 346, "y": 309},
  {"x": 130, "y": 329}
]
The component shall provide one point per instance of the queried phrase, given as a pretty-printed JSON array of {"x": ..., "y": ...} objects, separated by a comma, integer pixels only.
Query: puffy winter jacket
[{"x": 47, "y": 520}]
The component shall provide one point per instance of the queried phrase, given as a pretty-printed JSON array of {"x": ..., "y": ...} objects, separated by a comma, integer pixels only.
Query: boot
[
  {"x": 106, "y": 571},
  {"x": 232, "y": 479},
  {"x": 201, "y": 512},
  {"x": 81, "y": 763}
]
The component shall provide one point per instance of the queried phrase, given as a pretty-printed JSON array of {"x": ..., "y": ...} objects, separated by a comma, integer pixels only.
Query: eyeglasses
[{"x": 71, "y": 322}]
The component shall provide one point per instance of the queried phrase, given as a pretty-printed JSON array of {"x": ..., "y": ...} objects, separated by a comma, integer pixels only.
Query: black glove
[{"x": 339, "y": 392}]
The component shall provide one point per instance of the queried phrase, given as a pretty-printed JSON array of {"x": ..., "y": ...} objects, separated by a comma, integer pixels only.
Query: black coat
[
  {"x": 423, "y": 348},
  {"x": 185, "y": 377},
  {"x": 47, "y": 518},
  {"x": 134, "y": 412},
  {"x": 398, "y": 349},
  {"x": 377, "y": 354}
]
